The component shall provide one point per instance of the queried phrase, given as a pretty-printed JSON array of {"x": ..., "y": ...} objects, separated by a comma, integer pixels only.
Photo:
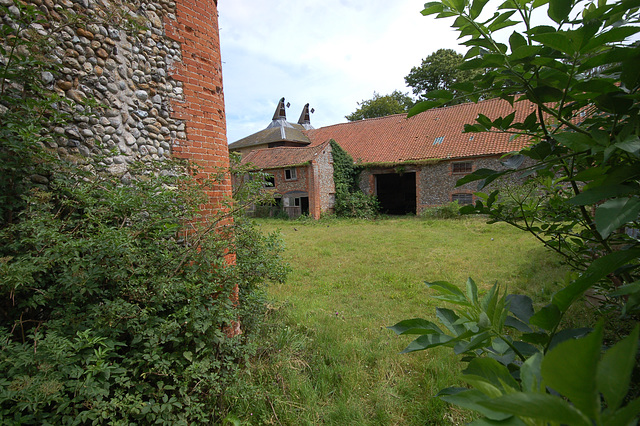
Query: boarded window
[
  {"x": 465, "y": 167},
  {"x": 290, "y": 174},
  {"x": 462, "y": 198}
]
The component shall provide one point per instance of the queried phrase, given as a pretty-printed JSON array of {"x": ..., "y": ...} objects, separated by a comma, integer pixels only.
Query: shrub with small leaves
[{"x": 116, "y": 300}]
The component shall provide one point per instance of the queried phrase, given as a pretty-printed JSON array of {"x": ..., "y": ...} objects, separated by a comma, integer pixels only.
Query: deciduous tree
[
  {"x": 381, "y": 106},
  {"x": 438, "y": 71}
]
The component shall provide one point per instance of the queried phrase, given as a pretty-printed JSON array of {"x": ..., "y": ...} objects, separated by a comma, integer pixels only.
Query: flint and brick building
[{"x": 409, "y": 163}]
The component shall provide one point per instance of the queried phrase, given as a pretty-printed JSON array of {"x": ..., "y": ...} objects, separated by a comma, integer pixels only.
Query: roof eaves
[{"x": 286, "y": 166}]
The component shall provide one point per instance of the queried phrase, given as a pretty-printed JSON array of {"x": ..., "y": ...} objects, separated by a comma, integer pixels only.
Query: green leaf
[
  {"x": 450, "y": 320},
  {"x": 568, "y": 334},
  {"x": 490, "y": 300},
  {"x": 424, "y": 106},
  {"x": 521, "y": 306},
  {"x": 559, "y": 10},
  {"x": 432, "y": 7},
  {"x": 477, "y": 341},
  {"x": 545, "y": 94},
  {"x": 575, "y": 141},
  {"x": 476, "y": 8},
  {"x": 480, "y": 174},
  {"x": 615, "y": 368},
  {"x": 599, "y": 193},
  {"x": 517, "y": 324},
  {"x": 472, "y": 291},
  {"x": 625, "y": 416},
  {"x": 557, "y": 41},
  {"x": 415, "y": 326},
  {"x": 547, "y": 318},
  {"x": 471, "y": 400},
  {"x": 630, "y": 145},
  {"x": 530, "y": 374},
  {"x": 516, "y": 41},
  {"x": 614, "y": 102},
  {"x": 617, "y": 34},
  {"x": 537, "y": 338},
  {"x": 449, "y": 292},
  {"x": 439, "y": 94},
  {"x": 428, "y": 341},
  {"x": 626, "y": 290},
  {"x": 537, "y": 406},
  {"x": 511, "y": 421},
  {"x": 492, "y": 372},
  {"x": 570, "y": 369},
  {"x": 615, "y": 213},
  {"x": 598, "y": 269},
  {"x": 524, "y": 52}
]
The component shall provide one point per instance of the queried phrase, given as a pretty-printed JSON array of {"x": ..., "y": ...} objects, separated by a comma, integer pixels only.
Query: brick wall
[
  {"x": 435, "y": 183},
  {"x": 325, "y": 185},
  {"x": 202, "y": 108}
]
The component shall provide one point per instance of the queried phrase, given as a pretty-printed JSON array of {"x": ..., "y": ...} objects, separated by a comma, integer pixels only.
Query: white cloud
[{"x": 331, "y": 54}]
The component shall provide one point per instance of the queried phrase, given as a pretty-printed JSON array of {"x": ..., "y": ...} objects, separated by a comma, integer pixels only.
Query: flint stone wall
[{"x": 154, "y": 68}]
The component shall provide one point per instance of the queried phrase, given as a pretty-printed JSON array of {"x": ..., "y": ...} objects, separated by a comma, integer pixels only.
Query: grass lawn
[{"x": 326, "y": 356}]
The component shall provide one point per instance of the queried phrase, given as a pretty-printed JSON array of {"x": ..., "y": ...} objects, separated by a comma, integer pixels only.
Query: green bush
[
  {"x": 446, "y": 211},
  {"x": 357, "y": 205},
  {"x": 115, "y": 303},
  {"x": 115, "y": 299}
]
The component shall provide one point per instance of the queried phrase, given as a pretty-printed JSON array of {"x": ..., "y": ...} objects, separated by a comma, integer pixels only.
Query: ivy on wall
[{"x": 350, "y": 200}]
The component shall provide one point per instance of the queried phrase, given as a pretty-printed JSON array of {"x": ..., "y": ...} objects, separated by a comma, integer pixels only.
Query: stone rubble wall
[{"x": 136, "y": 59}]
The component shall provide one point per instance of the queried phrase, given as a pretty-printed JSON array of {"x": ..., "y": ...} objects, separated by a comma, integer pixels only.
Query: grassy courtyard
[{"x": 326, "y": 356}]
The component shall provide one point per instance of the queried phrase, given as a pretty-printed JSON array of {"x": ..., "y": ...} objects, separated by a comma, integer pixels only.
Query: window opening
[
  {"x": 438, "y": 140},
  {"x": 466, "y": 167},
  {"x": 462, "y": 198},
  {"x": 290, "y": 174}
]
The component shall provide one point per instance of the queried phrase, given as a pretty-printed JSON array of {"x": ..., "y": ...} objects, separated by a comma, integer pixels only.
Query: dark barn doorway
[{"x": 397, "y": 193}]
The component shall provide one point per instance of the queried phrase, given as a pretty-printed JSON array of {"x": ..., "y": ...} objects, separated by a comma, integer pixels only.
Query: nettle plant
[{"x": 581, "y": 199}]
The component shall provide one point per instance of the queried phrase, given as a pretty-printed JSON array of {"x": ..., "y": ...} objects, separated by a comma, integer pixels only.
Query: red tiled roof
[
  {"x": 273, "y": 158},
  {"x": 396, "y": 138}
]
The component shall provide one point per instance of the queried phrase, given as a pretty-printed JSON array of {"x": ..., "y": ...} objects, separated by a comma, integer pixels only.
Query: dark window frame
[
  {"x": 293, "y": 174},
  {"x": 461, "y": 167},
  {"x": 270, "y": 181},
  {"x": 463, "y": 198}
]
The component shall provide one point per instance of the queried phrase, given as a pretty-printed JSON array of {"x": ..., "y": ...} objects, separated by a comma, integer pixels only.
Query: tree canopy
[
  {"x": 381, "y": 106},
  {"x": 438, "y": 71}
]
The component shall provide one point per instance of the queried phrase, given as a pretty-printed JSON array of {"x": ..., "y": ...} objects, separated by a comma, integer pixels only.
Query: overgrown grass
[{"x": 327, "y": 357}]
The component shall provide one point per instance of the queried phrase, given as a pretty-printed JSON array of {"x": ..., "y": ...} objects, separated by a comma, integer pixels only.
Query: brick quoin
[{"x": 196, "y": 29}]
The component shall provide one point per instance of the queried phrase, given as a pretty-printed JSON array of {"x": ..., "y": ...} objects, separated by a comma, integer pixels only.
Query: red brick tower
[{"x": 196, "y": 28}]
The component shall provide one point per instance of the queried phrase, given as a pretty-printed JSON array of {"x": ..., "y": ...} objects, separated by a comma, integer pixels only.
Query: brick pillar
[
  {"x": 314, "y": 190},
  {"x": 196, "y": 29},
  {"x": 202, "y": 107}
]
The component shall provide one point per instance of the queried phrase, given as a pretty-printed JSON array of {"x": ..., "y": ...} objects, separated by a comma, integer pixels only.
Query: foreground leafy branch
[{"x": 581, "y": 198}]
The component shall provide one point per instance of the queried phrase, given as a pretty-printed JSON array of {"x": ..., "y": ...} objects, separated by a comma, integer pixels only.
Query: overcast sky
[{"x": 331, "y": 54}]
